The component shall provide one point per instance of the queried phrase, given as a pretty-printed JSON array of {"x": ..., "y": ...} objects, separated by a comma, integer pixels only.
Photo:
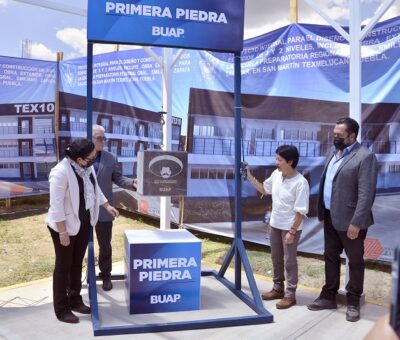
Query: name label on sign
[
  {"x": 148, "y": 269},
  {"x": 165, "y": 298},
  {"x": 119, "y": 8},
  {"x": 34, "y": 108},
  {"x": 206, "y": 24}
]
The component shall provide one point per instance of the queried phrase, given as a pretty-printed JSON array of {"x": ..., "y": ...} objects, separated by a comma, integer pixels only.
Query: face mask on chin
[{"x": 338, "y": 142}]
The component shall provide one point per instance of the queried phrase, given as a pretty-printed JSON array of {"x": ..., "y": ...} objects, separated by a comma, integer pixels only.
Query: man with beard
[{"x": 346, "y": 195}]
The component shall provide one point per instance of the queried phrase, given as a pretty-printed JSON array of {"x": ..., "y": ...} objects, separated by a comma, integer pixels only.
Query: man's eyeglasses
[{"x": 101, "y": 139}]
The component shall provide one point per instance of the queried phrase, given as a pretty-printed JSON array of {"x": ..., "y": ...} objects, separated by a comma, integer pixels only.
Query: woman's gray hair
[{"x": 97, "y": 128}]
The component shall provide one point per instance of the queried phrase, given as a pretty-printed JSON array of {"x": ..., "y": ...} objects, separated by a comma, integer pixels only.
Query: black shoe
[
  {"x": 82, "y": 308},
  {"x": 353, "y": 313},
  {"x": 321, "y": 304},
  {"x": 107, "y": 284},
  {"x": 68, "y": 317}
]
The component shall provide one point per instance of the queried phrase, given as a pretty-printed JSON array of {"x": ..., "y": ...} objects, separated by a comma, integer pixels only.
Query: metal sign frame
[{"x": 237, "y": 250}]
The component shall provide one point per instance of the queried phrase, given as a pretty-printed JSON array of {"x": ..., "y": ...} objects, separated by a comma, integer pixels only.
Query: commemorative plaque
[{"x": 162, "y": 173}]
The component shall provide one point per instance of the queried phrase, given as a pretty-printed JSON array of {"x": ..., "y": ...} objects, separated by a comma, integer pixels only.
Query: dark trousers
[
  {"x": 67, "y": 273},
  {"x": 335, "y": 242},
  {"x": 104, "y": 234}
]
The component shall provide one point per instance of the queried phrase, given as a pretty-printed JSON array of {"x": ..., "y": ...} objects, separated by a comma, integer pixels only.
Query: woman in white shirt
[
  {"x": 75, "y": 198},
  {"x": 290, "y": 202}
]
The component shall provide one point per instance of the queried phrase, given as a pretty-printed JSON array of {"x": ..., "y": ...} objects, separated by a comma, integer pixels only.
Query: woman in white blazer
[{"x": 75, "y": 198}]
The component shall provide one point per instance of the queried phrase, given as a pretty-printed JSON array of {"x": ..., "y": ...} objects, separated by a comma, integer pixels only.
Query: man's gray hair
[{"x": 98, "y": 128}]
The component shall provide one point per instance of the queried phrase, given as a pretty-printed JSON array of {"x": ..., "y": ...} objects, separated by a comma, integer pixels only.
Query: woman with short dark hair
[
  {"x": 290, "y": 203},
  {"x": 75, "y": 198}
]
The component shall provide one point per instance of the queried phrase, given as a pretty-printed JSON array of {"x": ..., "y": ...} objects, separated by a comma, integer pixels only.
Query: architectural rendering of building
[
  {"x": 128, "y": 129},
  {"x": 268, "y": 122},
  {"x": 27, "y": 141}
]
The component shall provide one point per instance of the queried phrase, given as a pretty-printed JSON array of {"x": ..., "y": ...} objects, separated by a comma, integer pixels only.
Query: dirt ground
[{"x": 27, "y": 253}]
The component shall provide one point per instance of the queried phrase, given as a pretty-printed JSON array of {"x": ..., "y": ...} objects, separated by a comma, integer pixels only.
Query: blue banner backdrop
[
  {"x": 27, "y": 139},
  {"x": 209, "y": 24},
  {"x": 295, "y": 84}
]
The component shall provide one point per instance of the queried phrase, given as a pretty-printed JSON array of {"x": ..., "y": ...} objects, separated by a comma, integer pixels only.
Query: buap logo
[
  {"x": 206, "y": 68},
  {"x": 69, "y": 76}
]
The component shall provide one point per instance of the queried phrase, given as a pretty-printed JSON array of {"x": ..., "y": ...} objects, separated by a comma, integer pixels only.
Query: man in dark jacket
[
  {"x": 346, "y": 194},
  {"x": 108, "y": 172}
]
